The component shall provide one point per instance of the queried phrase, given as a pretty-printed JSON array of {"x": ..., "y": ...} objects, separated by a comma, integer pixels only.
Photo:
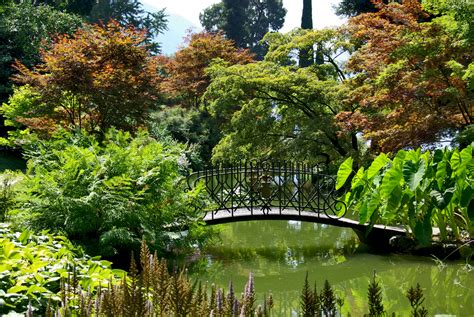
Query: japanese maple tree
[
  {"x": 101, "y": 76},
  {"x": 411, "y": 82},
  {"x": 187, "y": 77}
]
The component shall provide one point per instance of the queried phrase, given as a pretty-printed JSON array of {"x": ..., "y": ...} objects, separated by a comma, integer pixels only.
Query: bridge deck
[{"x": 244, "y": 214}]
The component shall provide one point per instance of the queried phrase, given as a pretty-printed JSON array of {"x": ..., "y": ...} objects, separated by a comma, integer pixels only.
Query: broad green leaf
[
  {"x": 343, "y": 173},
  {"x": 358, "y": 179},
  {"x": 372, "y": 205},
  {"x": 466, "y": 196},
  {"x": 442, "y": 199},
  {"x": 391, "y": 179},
  {"x": 456, "y": 162},
  {"x": 377, "y": 165},
  {"x": 17, "y": 289},
  {"x": 423, "y": 230},
  {"x": 363, "y": 212},
  {"x": 394, "y": 199},
  {"x": 413, "y": 173},
  {"x": 441, "y": 173}
]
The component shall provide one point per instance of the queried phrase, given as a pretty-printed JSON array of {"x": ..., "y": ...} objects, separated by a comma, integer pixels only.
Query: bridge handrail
[{"x": 263, "y": 186}]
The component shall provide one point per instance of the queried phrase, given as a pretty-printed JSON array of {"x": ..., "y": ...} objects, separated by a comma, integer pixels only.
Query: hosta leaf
[
  {"x": 377, "y": 165},
  {"x": 343, "y": 173}
]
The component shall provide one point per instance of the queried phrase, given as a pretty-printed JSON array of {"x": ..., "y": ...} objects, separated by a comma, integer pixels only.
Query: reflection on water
[{"x": 280, "y": 253}]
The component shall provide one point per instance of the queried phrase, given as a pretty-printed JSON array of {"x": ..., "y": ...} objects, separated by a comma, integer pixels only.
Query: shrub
[
  {"x": 108, "y": 196},
  {"x": 32, "y": 266}
]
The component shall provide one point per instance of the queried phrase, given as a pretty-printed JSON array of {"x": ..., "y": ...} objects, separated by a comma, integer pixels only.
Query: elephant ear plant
[{"x": 418, "y": 190}]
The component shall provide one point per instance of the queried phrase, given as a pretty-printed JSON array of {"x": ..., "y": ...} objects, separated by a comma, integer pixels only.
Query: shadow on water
[
  {"x": 279, "y": 253},
  {"x": 11, "y": 160}
]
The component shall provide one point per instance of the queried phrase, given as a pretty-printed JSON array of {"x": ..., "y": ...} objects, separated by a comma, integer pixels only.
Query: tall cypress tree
[
  {"x": 306, "y": 55},
  {"x": 307, "y": 18}
]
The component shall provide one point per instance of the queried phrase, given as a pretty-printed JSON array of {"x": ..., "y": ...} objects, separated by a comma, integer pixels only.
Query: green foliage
[
  {"x": 7, "y": 193},
  {"x": 417, "y": 190},
  {"x": 415, "y": 296},
  {"x": 245, "y": 22},
  {"x": 33, "y": 265},
  {"x": 131, "y": 12},
  {"x": 195, "y": 128},
  {"x": 25, "y": 29},
  {"x": 345, "y": 170},
  {"x": 272, "y": 108},
  {"x": 109, "y": 195},
  {"x": 349, "y": 8},
  {"x": 374, "y": 295}
]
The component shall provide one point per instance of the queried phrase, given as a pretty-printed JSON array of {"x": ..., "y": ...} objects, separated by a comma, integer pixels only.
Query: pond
[{"x": 279, "y": 253}]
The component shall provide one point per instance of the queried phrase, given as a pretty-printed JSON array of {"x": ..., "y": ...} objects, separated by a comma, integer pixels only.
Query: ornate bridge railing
[{"x": 265, "y": 187}]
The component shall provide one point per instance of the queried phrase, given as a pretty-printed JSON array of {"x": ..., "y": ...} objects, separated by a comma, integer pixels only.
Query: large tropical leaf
[
  {"x": 377, "y": 165},
  {"x": 413, "y": 173},
  {"x": 343, "y": 173},
  {"x": 391, "y": 179}
]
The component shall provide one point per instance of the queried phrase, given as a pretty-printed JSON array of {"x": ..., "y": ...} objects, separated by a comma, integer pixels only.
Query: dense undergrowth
[
  {"x": 106, "y": 194},
  {"x": 33, "y": 265}
]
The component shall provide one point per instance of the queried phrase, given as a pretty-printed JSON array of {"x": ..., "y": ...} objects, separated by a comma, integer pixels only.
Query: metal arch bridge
[{"x": 280, "y": 191}]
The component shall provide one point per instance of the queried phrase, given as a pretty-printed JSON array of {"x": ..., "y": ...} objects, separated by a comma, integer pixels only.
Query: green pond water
[{"x": 279, "y": 253}]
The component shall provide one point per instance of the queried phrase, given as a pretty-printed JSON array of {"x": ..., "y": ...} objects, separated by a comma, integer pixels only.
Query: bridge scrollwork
[{"x": 263, "y": 187}]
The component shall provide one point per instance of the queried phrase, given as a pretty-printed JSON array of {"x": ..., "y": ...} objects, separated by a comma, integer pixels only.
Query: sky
[{"x": 323, "y": 14}]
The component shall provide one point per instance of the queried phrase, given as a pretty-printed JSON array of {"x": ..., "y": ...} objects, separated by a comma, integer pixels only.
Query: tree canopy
[
  {"x": 186, "y": 76},
  {"x": 245, "y": 22},
  {"x": 273, "y": 109},
  {"x": 95, "y": 79},
  {"x": 24, "y": 30},
  {"x": 412, "y": 81}
]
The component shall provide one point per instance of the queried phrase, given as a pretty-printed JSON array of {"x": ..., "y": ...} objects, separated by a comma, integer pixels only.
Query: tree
[
  {"x": 98, "y": 78},
  {"x": 307, "y": 16},
  {"x": 306, "y": 54},
  {"x": 126, "y": 12},
  {"x": 24, "y": 30},
  {"x": 350, "y": 8},
  {"x": 412, "y": 80},
  {"x": 186, "y": 72},
  {"x": 234, "y": 17},
  {"x": 185, "y": 81},
  {"x": 272, "y": 108},
  {"x": 245, "y": 22},
  {"x": 131, "y": 13}
]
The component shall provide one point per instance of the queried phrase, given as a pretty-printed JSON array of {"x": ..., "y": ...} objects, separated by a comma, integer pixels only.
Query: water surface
[{"x": 279, "y": 253}]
